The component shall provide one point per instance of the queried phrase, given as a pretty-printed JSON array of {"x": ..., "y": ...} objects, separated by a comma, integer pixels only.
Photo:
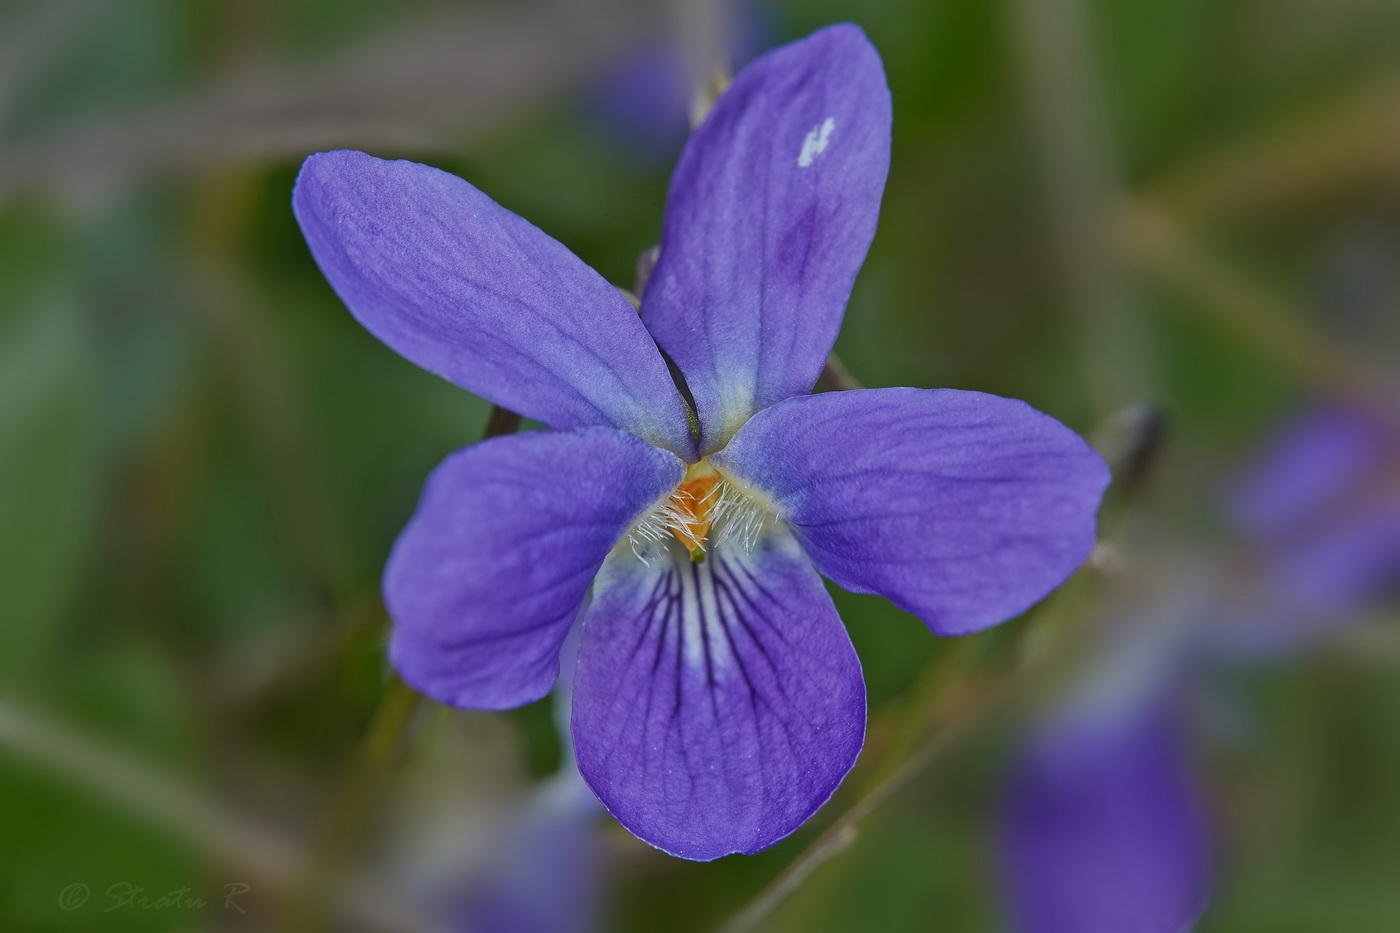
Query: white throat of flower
[{"x": 706, "y": 510}]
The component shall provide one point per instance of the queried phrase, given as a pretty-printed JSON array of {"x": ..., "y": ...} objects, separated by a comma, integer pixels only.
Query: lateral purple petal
[
  {"x": 719, "y": 704},
  {"x": 771, "y": 210},
  {"x": 466, "y": 289},
  {"x": 1104, "y": 832},
  {"x": 491, "y": 571},
  {"x": 962, "y": 508}
]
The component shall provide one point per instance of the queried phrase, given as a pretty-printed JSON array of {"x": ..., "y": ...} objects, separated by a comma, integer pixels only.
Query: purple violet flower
[
  {"x": 547, "y": 874},
  {"x": 1322, "y": 510},
  {"x": 718, "y": 700},
  {"x": 645, "y": 99}
]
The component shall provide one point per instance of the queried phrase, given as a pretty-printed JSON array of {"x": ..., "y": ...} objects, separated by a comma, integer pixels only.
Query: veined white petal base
[
  {"x": 700, "y": 607},
  {"x": 718, "y": 702}
]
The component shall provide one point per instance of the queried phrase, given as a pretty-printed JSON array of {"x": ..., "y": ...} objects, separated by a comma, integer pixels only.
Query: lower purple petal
[
  {"x": 486, "y": 579},
  {"x": 719, "y": 704},
  {"x": 960, "y": 507}
]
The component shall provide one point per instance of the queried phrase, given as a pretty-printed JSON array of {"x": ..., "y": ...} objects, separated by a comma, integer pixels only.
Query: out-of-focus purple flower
[
  {"x": 1103, "y": 829},
  {"x": 547, "y": 874},
  {"x": 718, "y": 700},
  {"x": 1322, "y": 511},
  {"x": 1307, "y": 475},
  {"x": 645, "y": 99},
  {"x": 1106, "y": 834}
]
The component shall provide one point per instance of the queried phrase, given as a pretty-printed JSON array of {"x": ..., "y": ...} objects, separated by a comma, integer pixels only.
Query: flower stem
[
  {"x": 704, "y": 32},
  {"x": 840, "y": 834},
  {"x": 836, "y": 377},
  {"x": 501, "y": 421},
  {"x": 960, "y": 703},
  {"x": 1239, "y": 304},
  {"x": 1082, "y": 177},
  {"x": 334, "y": 849}
]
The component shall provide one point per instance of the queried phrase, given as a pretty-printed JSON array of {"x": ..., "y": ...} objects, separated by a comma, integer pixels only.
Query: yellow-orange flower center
[
  {"x": 692, "y": 509},
  {"x": 706, "y": 510}
]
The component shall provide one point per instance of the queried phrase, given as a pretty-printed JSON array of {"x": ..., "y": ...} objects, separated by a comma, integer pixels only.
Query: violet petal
[
  {"x": 719, "y": 704},
  {"x": 487, "y": 577},
  {"x": 960, "y": 507},
  {"x": 466, "y": 289},
  {"x": 771, "y": 210}
]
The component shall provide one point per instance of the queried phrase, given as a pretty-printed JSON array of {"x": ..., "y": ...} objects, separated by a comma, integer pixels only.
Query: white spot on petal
[{"x": 816, "y": 142}]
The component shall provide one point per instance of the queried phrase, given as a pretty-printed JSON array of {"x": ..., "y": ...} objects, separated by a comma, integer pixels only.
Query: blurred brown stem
[
  {"x": 704, "y": 29},
  {"x": 423, "y": 87},
  {"x": 260, "y": 857},
  {"x": 1162, "y": 248},
  {"x": 1082, "y": 183},
  {"x": 948, "y": 705},
  {"x": 1349, "y": 141},
  {"x": 836, "y": 376}
]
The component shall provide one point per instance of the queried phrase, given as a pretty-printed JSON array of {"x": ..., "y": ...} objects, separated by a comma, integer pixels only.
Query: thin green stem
[
  {"x": 334, "y": 850},
  {"x": 1234, "y": 301},
  {"x": 842, "y": 833},
  {"x": 958, "y": 704},
  {"x": 704, "y": 31},
  {"x": 835, "y": 376},
  {"x": 1082, "y": 176}
]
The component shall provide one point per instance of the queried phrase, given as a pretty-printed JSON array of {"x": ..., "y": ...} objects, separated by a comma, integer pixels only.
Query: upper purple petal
[
  {"x": 464, "y": 288},
  {"x": 962, "y": 508},
  {"x": 719, "y": 704},
  {"x": 491, "y": 571},
  {"x": 772, "y": 208}
]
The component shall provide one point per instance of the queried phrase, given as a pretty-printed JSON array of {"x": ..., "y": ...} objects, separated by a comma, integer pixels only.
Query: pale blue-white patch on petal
[
  {"x": 464, "y": 288},
  {"x": 487, "y": 577},
  {"x": 771, "y": 210},
  {"x": 717, "y": 704},
  {"x": 962, "y": 508}
]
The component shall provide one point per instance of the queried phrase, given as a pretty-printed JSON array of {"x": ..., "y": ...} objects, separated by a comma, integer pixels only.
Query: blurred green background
[{"x": 204, "y": 459}]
